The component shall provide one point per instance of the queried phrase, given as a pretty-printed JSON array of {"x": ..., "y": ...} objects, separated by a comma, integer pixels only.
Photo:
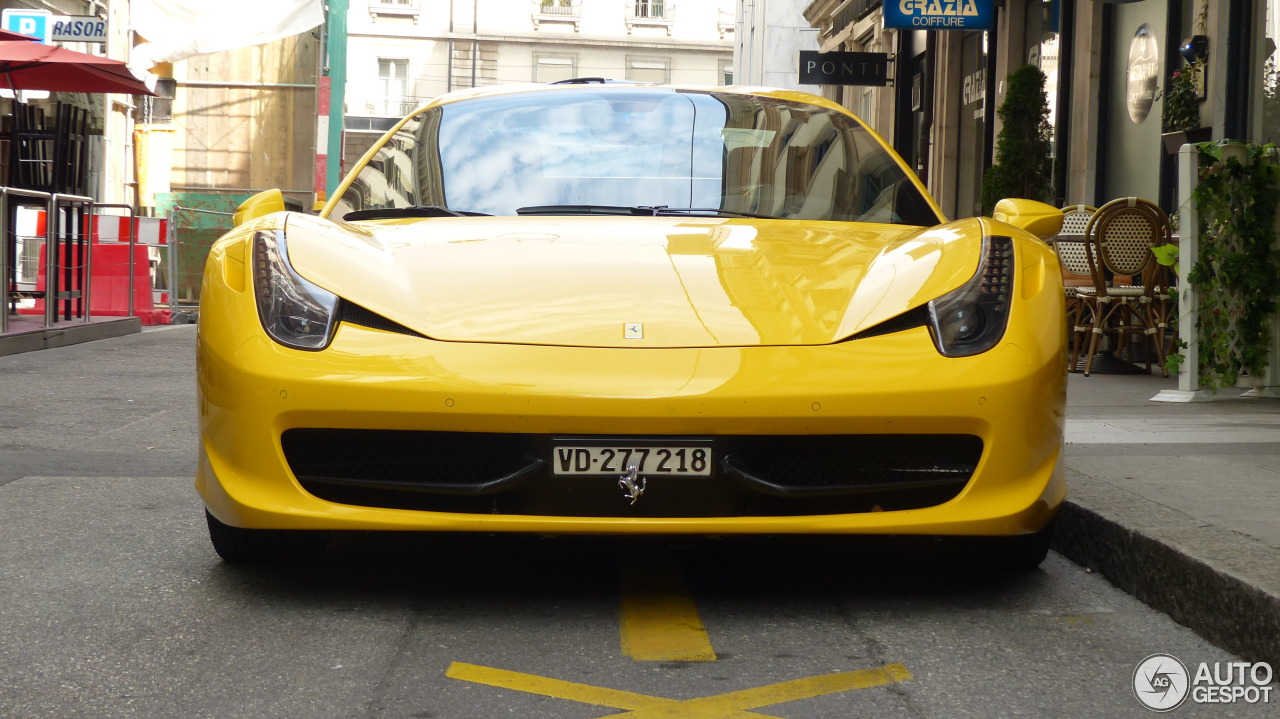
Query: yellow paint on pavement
[
  {"x": 733, "y": 703},
  {"x": 719, "y": 706},
  {"x": 660, "y": 622},
  {"x": 543, "y": 686}
]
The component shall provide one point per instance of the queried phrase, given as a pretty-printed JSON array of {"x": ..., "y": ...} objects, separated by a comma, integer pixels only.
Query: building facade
[
  {"x": 770, "y": 36},
  {"x": 401, "y": 53},
  {"x": 1107, "y": 64},
  {"x": 110, "y": 117}
]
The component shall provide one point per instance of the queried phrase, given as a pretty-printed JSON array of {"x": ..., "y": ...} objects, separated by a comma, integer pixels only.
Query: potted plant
[
  {"x": 1023, "y": 164},
  {"x": 1181, "y": 112}
]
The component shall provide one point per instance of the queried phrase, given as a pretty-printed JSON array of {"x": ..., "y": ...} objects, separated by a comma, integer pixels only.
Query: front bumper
[{"x": 252, "y": 391}]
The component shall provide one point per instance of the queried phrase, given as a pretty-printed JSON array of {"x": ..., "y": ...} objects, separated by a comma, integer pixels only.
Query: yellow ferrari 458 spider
[{"x": 616, "y": 308}]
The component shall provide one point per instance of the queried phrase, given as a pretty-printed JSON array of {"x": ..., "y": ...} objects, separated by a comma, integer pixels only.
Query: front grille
[
  {"x": 439, "y": 462},
  {"x": 909, "y": 320},
  {"x": 822, "y": 465},
  {"x": 353, "y": 313},
  {"x": 494, "y": 473}
]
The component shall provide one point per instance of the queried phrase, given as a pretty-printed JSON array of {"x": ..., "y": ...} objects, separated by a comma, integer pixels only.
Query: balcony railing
[
  {"x": 403, "y": 8},
  {"x": 557, "y": 11},
  {"x": 652, "y": 14},
  {"x": 726, "y": 21},
  {"x": 654, "y": 11}
]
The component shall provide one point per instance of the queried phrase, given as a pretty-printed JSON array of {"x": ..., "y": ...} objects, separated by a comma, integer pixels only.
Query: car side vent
[
  {"x": 911, "y": 319},
  {"x": 357, "y": 315}
]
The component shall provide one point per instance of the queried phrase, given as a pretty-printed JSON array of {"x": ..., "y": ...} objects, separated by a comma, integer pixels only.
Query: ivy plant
[{"x": 1237, "y": 273}]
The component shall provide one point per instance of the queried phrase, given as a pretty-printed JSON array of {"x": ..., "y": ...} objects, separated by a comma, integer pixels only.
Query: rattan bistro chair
[
  {"x": 1118, "y": 240},
  {"x": 1069, "y": 245}
]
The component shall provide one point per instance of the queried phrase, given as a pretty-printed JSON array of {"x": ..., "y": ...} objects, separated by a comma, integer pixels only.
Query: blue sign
[
  {"x": 940, "y": 14},
  {"x": 28, "y": 22}
]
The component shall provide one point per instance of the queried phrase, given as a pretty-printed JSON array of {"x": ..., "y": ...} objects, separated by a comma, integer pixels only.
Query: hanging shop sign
[
  {"x": 79, "y": 29},
  {"x": 940, "y": 14},
  {"x": 844, "y": 68},
  {"x": 1142, "y": 73}
]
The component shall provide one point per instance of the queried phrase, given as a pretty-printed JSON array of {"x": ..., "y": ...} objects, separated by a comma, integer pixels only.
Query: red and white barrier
[
  {"x": 152, "y": 231},
  {"x": 110, "y": 269}
]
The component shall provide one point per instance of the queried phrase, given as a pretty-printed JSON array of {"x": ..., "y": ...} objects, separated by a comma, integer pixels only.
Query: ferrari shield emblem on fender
[
  {"x": 633, "y": 331},
  {"x": 632, "y": 484}
]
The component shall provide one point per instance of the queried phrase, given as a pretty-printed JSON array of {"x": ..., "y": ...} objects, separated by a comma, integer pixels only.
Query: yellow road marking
[
  {"x": 719, "y": 706},
  {"x": 543, "y": 686},
  {"x": 660, "y": 622}
]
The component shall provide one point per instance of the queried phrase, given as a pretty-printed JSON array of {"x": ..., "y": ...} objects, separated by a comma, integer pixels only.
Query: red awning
[{"x": 27, "y": 65}]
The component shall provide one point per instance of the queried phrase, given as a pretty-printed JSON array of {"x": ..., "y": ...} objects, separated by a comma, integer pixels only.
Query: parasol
[
  {"x": 28, "y": 65},
  {"x": 11, "y": 35}
]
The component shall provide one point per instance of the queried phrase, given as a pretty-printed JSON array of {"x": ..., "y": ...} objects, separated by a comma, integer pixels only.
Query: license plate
[{"x": 669, "y": 461}]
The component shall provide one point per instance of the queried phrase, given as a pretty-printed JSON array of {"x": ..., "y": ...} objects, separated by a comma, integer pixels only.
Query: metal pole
[
  {"x": 133, "y": 241},
  {"x": 171, "y": 256},
  {"x": 336, "y": 42},
  {"x": 50, "y": 264},
  {"x": 4, "y": 259},
  {"x": 86, "y": 235}
]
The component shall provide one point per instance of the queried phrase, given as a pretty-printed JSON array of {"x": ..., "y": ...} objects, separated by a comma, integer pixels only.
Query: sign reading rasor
[
  {"x": 844, "y": 68},
  {"x": 79, "y": 29}
]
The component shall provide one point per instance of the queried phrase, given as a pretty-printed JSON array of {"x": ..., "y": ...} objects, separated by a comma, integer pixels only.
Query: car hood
[{"x": 634, "y": 281}]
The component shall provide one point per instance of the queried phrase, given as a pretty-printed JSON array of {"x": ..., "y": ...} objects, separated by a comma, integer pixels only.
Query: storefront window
[
  {"x": 1267, "y": 86},
  {"x": 1043, "y": 52},
  {"x": 973, "y": 97}
]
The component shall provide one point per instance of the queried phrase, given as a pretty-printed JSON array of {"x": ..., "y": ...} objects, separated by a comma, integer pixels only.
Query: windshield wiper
[
  {"x": 639, "y": 210},
  {"x": 383, "y": 213},
  {"x": 709, "y": 210},
  {"x": 581, "y": 210}
]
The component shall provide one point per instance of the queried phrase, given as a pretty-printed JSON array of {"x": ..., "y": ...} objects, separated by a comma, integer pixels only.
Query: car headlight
[
  {"x": 295, "y": 312},
  {"x": 972, "y": 318}
]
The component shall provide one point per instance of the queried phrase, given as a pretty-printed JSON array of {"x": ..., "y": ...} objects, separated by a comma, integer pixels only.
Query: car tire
[{"x": 264, "y": 546}]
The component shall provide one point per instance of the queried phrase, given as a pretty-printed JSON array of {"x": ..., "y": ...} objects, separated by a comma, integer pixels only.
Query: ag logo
[{"x": 1161, "y": 682}]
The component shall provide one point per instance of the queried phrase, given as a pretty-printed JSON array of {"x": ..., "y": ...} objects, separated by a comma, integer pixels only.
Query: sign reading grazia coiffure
[{"x": 940, "y": 14}]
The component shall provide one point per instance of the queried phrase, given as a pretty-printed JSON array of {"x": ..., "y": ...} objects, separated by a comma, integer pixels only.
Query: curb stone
[{"x": 1223, "y": 585}]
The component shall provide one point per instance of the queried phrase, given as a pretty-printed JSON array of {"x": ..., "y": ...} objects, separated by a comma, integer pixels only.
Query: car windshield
[{"x": 578, "y": 150}]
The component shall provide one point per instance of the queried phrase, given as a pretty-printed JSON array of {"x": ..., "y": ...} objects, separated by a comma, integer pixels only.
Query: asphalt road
[{"x": 113, "y": 604}]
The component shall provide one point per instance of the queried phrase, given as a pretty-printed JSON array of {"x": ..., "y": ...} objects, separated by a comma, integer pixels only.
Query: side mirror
[
  {"x": 261, "y": 204},
  {"x": 1043, "y": 221}
]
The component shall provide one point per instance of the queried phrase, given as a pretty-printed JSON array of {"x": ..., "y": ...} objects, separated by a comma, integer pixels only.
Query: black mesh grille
[
  {"x": 919, "y": 317},
  {"x": 357, "y": 315},
  {"x": 833, "y": 465},
  {"x": 511, "y": 474},
  {"x": 444, "y": 462}
]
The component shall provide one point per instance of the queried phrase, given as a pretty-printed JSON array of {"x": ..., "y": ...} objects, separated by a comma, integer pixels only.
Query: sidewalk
[{"x": 1179, "y": 504}]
